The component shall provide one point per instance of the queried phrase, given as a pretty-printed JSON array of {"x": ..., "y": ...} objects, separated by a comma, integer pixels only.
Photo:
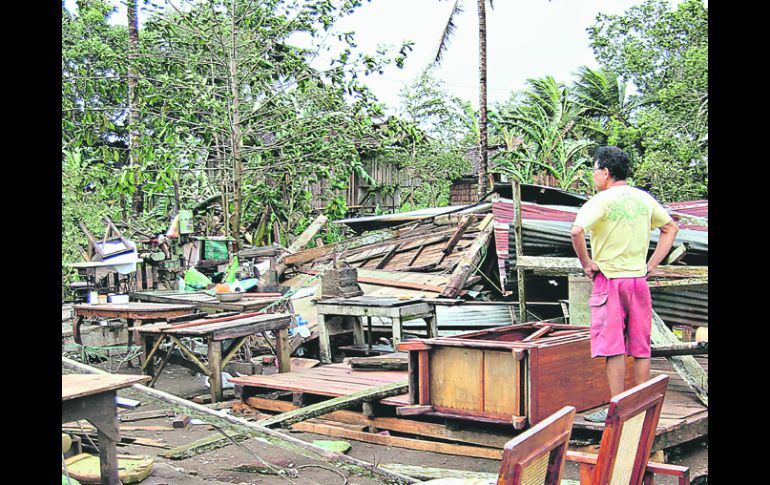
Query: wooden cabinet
[{"x": 518, "y": 374}]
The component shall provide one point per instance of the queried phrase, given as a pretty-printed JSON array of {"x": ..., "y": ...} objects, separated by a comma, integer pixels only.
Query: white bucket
[{"x": 119, "y": 299}]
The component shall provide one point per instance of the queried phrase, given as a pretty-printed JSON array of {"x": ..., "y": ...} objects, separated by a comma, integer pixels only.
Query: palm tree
[
  {"x": 604, "y": 100},
  {"x": 546, "y": 120},
  {"x": 449, "y": 30}
]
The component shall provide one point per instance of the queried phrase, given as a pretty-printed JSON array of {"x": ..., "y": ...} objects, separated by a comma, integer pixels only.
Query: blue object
[{"x": 244, "y": 285}]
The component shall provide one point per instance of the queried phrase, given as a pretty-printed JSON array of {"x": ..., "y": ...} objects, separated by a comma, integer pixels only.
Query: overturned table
[
  {"x": 360, "y": 307},
  {"x": 92, "y": 397},
  {"x": 216, "y": 331}
]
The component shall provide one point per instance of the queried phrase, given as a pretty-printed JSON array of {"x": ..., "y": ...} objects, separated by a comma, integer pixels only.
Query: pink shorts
[{"x": 621, "y": 317}]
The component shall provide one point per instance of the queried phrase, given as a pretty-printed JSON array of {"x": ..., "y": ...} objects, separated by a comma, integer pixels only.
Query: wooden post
[
  {"x": 358, "y": 330},
  {"x": 215, "y": 365},
  {"x": 283, "y": 350},
  {"x": 324, "y": 340},
  {"x": 397, "y": 332},
  {"x": 516, "y": 188}
]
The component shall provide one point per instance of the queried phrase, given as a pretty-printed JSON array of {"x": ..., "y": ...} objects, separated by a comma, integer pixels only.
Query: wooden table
[
  {"x": 92, "y": 397},
  {"x": 366, "y": 307},
  {"x": 135, "y": 313},
  {"x": 205, "y": 302},
  {"x": 237, "y": 330}
]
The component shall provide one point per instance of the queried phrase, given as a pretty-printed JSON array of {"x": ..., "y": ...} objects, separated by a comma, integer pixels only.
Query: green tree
[{"x": 664, "y": 53}]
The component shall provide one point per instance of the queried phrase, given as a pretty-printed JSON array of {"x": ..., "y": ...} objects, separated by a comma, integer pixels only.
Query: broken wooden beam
[
  {"x": 684, "y": 348},
  {"x": 470, "y": 259},
  {"x": 562, "y": 266},
  {"x": 399, "y": 442},
  {"x": 383, "y": 362},
  {"x": 342, "y": 402},
  {"x": 492, "y": 439},
  {"x": 685, "y": 365},
  {"x": 201, "y": 446},
  {"x": 301, "y": 242}
]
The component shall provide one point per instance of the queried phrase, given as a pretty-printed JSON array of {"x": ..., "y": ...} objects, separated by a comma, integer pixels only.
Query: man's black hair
[{"x": 615, "y": 160}]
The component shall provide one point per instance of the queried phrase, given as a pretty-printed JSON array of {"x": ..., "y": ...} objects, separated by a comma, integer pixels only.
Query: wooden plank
[
  {"x": 342, "y": 402},
  {"x": 420, "y": 428},
  {"x": 685, "y": 365},
  {"x": 398, "y": 442},
  {"x": 502, "y": 393},
  {"x": 80, "y": 385},
  {"x": 454, "y": 378},
  {"x": 430, "y": 473}
]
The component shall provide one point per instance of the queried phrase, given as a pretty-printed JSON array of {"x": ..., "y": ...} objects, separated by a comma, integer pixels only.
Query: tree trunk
[
  {"x": 235, "y": 136},
  {"x": 133, "y": 118},
  {"x": 482, "y": 99}
]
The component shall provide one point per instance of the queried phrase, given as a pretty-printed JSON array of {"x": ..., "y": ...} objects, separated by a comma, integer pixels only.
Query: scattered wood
[
  {"x": 301, "y": 241},
  {"x": 297, "y": 415},
  {"x": 685, "y": 348},
  {"x": 418, "y": 428},
  {"x": 204, "y": 445},
  {"x": 397, "y": 361},
  {"x": 206, "y": 398},
  {"x": 130, "y": 417},
  {"x": 470, "y": 260},
  {"x": 399, "y": 442},
  {"x": 685, "y": 365},
  {"x": 181, "y": 422},
  {"x": 238, "y": 425},
  {"x": 299, "y": 363}
]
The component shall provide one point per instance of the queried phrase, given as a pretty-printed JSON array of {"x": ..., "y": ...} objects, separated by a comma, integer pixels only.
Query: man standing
[{"x": 620, "y": 219}]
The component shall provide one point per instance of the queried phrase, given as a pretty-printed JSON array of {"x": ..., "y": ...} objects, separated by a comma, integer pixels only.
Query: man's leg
[
  {"x": 641, "y": 370},
  {"x": 616, "y": 373}
]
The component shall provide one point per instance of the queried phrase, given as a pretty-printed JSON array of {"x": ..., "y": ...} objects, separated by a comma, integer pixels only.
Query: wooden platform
[{"x": 683, "y": 419}]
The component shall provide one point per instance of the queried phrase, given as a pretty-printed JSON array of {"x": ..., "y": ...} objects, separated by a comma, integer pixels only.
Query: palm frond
[{"x": 449, "y": 31}]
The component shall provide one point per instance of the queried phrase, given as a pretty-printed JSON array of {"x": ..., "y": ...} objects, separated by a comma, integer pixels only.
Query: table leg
[
  {"x": 133, "y": 339},
  {"x": 215, "y": 365},
  {"x": 108, "y": 459},
  {"x": 358, "y": 331},
  {"x": 397, "y": 333},
  {"x": 371, "y": 333},
  {"x": 147, "y": 343},
  {"x": 283, "y": 350},
  {"x": 76, "y": 330},
  {"x": 324, "y": 341}
]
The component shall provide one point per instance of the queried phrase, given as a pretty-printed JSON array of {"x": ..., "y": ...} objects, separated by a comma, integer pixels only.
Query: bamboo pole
[{"x": 516, "y": 188}]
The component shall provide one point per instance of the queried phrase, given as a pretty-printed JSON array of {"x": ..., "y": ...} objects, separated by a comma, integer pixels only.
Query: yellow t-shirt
[{"x": 620, "y": 220}]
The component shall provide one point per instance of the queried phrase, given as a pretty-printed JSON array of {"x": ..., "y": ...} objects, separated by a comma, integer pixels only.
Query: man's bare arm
[
  {"x": 581, "y": 249},
  {"x": 665, "y": 241}
]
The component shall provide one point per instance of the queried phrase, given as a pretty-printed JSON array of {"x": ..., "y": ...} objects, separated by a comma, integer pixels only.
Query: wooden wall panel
[
  {"x": 501, "y": 383},
  {"x": 568, "y": 376},
  {"x": 455, "y": 378}
]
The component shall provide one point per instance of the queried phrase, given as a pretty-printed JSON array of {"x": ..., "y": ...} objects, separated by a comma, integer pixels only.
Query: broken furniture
[
  {"x": 537, "y": 455},
  {"x": 92, "y": 397},
  {"x": 206, "y": 302},
  {"x": 367, "y": 307},
  {"x": 113, "y": 255},
  {"x": 629, "y": 431},
  {"x": 135, "y": 313},
  {"x": 215, "y": 332},
  {"x": 518, "y": 374}
]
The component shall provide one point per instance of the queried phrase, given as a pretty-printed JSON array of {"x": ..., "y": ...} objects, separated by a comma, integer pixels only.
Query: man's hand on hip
[{"x": 591, "y": 270}]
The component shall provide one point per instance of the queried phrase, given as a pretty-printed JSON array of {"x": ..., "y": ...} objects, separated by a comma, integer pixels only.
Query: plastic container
[
  {"x": 93, "y": 298},
  {"x": 120, "y": 299}
]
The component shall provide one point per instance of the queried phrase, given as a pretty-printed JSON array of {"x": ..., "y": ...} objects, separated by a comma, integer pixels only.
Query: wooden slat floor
[
  {"x": 329, "y": 380},
  {"x": 683, "y": 417}
]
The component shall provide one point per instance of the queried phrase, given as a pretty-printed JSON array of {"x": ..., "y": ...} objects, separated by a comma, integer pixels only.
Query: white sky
[{"x": 525, "y": 39}]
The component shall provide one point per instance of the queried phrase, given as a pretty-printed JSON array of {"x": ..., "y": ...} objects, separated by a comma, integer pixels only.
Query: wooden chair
[
  {"x": 627, "y": 440},
  {"x": 536, "y": 457}
]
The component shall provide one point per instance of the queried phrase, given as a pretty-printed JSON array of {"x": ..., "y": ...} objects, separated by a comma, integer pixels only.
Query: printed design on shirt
[{"x": 626, "y": 209}]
